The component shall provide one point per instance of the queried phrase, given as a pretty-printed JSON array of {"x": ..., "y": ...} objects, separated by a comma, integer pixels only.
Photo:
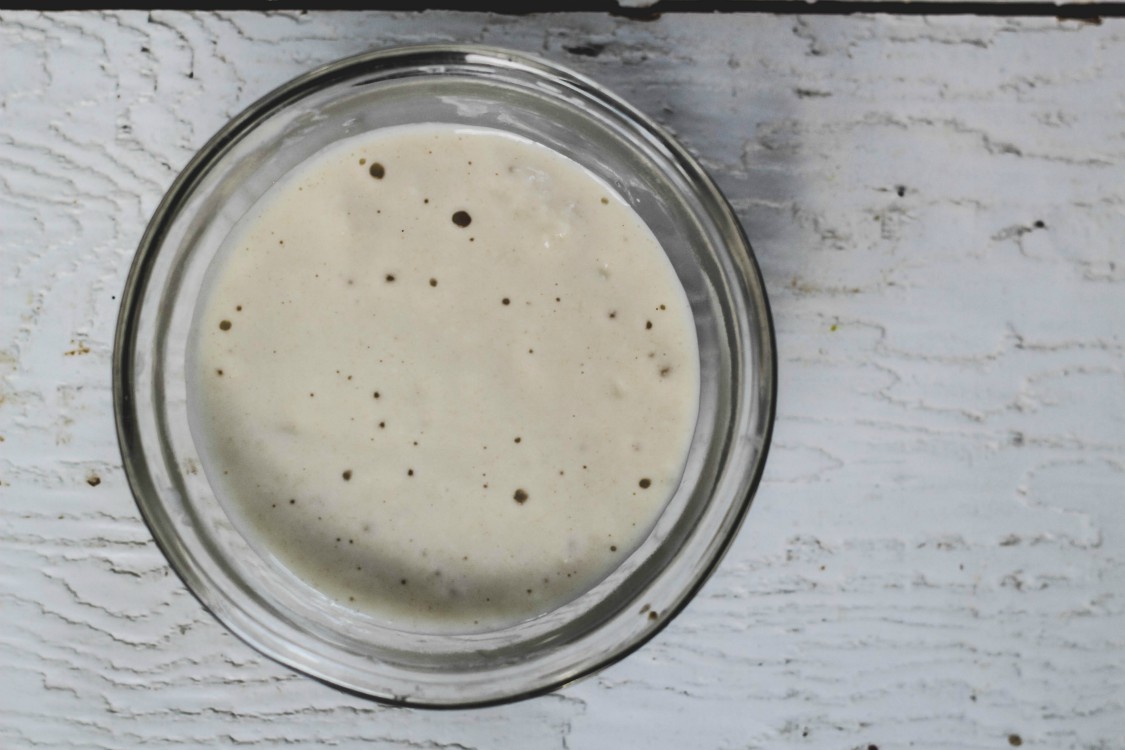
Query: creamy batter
[{"x": 445, "y": 375}]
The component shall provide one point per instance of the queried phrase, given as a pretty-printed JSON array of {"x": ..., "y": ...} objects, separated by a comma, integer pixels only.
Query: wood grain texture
[{"x": 935, "y": 558}]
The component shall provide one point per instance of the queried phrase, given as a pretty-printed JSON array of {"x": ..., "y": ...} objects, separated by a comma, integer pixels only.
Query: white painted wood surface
[{"x": 936, "y": 558}]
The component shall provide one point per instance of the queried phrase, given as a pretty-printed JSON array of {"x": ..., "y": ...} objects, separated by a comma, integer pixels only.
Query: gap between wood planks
[{"x": 1091, "y": 12}]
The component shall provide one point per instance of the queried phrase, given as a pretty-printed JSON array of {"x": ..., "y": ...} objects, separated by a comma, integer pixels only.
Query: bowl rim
[{"x": 210, "y": 154}]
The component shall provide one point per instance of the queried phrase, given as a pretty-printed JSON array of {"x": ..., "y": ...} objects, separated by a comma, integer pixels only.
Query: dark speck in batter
[
  {"x": 377, "y": 171},
  {"x": 224, "y": 325},
  {"x": 462, "y": 219},
  {"x": 520, "y": 496}
]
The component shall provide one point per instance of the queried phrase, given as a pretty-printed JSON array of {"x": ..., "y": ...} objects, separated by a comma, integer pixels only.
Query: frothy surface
[{"x": 445, "y": 375}]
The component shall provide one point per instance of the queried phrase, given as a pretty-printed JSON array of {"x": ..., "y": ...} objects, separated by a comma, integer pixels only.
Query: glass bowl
[{"x": 553, "y": 106}]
